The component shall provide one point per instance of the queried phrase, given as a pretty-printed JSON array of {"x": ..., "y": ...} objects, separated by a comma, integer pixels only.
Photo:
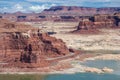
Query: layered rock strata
[{"x": 26, "y": 47}]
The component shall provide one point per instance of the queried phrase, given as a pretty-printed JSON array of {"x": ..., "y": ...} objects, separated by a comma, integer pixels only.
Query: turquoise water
[
  {"x": 78, "y": 76},
  {"x": 84, "y": 76},
  {"x": 113, "y": 64}
]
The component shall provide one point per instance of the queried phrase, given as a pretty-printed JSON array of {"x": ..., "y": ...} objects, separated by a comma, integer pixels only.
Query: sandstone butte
[
  {"x": 92, "y": 24},
  {"x": 24, "y": 46}
]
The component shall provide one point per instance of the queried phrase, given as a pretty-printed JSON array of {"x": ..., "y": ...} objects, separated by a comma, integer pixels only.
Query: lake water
[
  {"x": 78, "y": 76},
  {"x": 113, "y": 64}
]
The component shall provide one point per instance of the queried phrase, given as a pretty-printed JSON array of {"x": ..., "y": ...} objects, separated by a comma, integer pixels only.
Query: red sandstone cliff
[
  {"x": 19, "y": 47},
  {"x": 93, "y": 23}
]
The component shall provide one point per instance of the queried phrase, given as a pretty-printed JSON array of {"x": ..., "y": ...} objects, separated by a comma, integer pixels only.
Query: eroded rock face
[
  {"x": 92, "y": 24},
  {"x": 85, "y": 24},
  {"x": 24, "y": 47},
  {"x": 30, "y": 49},
  {"x": 104, "y": 21},
  {"x": 46, "y": 45}
]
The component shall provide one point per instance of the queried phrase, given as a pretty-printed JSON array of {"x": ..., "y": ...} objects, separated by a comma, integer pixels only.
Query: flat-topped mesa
[
  {"x": 80, "y": 11},
  {"x": 104, "y": 21},
  {"x": 93, "y": 23}
]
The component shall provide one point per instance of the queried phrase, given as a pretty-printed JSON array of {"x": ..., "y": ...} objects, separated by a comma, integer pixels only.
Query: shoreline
[
  {"x": 75, "y": 67},
  {"x": 105, "y": 57}
]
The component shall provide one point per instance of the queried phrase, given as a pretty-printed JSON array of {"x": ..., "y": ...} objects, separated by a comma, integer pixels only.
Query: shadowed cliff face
[{"x": 42, "y": 44}]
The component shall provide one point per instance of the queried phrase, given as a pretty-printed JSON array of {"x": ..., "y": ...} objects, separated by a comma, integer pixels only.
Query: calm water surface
[{"x": 77, "y": 76}]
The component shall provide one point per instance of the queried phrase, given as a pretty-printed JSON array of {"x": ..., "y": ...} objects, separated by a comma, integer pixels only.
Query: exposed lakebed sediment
[{"x": 106, "y": 63}]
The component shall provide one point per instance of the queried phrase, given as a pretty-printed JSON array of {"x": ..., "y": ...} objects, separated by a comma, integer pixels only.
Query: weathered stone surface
[
  {"x": 93, "y": 23},
  {"x": 29, "y": 47},
  {"x": 85, "y": 24},
  {"x": 104, "y": 21}
]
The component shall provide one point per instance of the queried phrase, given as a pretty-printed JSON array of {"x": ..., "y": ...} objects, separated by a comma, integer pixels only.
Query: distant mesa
[
  {"x": 83, "y": 11},
  {"x": 94, "y": 23},
  {"x": 60, "y": 13}
]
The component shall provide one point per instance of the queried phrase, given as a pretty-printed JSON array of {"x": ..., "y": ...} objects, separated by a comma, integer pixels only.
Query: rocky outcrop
[
  {"x": 93, "y": 23},
  {"x": 42, "y": 44},
  {"x": 18, "y": 47},
  {"x": 86, "y": 26},
  {"x": 104, "y": 21}
]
